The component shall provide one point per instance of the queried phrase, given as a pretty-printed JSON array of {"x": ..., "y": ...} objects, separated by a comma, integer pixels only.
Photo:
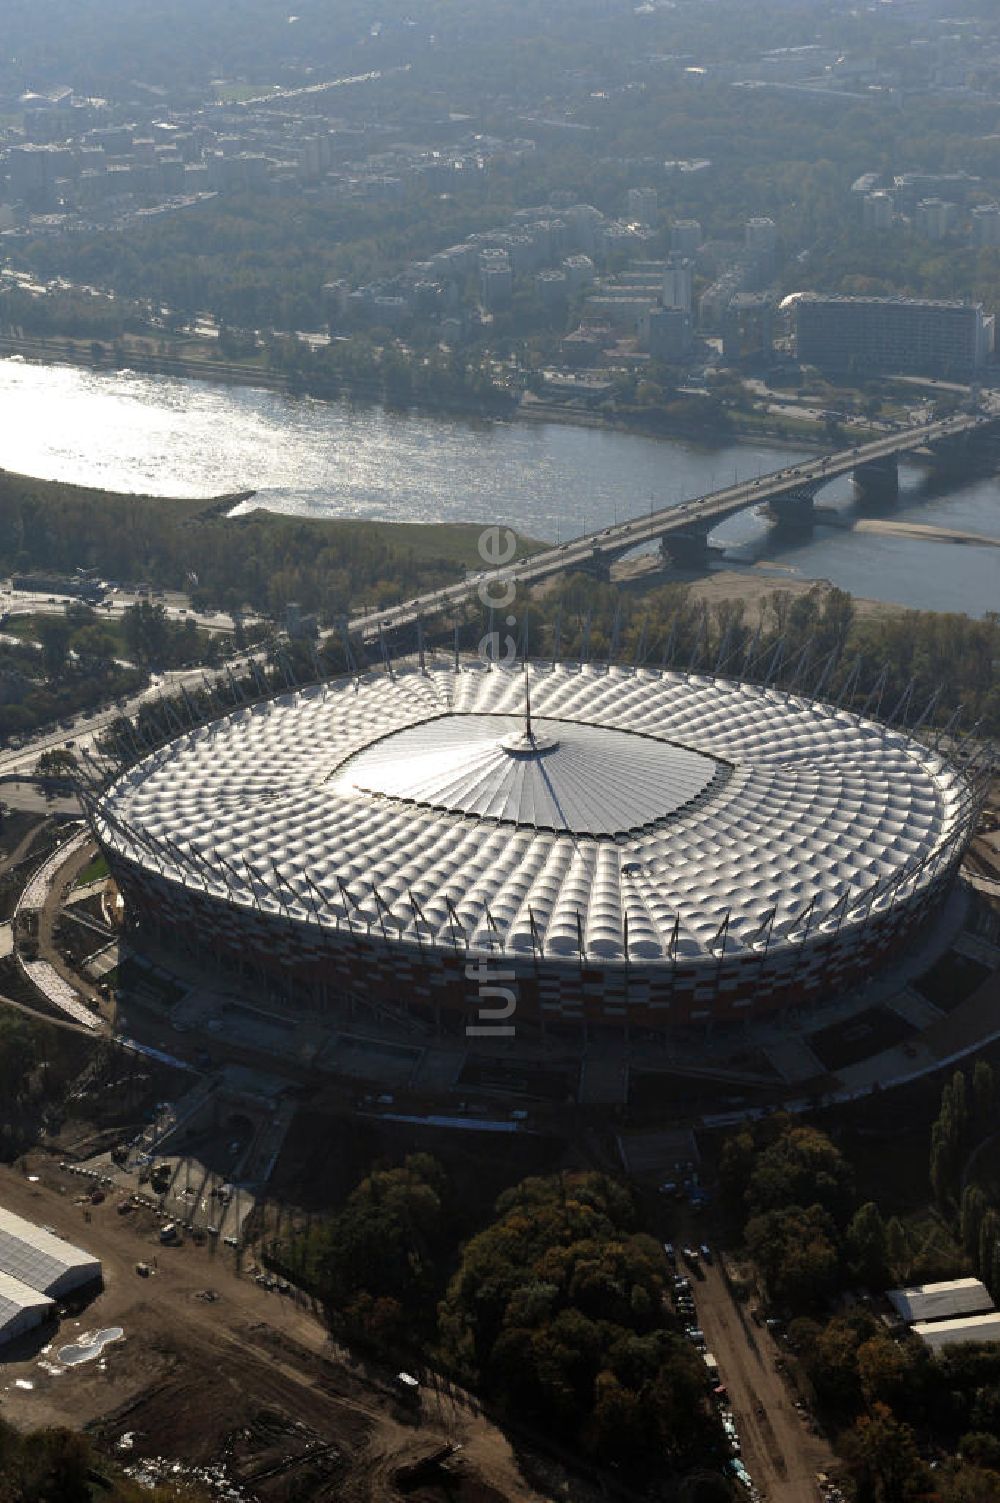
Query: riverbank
[
  {"x": 134, "y": 354},
  {"x": 126, "y": 432},
  {"x": 63, "y": 350},
  {"x": 751, "y": 586}
]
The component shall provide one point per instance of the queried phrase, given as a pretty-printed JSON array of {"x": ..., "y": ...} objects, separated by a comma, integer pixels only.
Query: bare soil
[{"x": 214, "y": 1367}]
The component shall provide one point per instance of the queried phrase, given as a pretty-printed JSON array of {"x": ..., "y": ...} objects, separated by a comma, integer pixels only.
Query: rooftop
[
  {"x": 39, "y": 1258},
  {"x": 938, "y": 1334},
  {"x": 952, "y": 1297},
  {"x": 646, "y": 809}
]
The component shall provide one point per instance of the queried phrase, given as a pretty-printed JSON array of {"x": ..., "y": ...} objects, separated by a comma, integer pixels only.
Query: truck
[{"x": 712, "y": 1365}]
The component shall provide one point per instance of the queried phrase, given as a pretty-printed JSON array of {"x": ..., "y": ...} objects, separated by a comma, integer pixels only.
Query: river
[{"x": 168, "y": 437}]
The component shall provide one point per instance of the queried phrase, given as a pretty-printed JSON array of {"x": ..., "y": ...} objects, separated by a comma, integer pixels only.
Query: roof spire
[{"x": 527, "y": 705}]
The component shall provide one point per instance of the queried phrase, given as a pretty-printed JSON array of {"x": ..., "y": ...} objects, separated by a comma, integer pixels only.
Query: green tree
[
  {"x": 888, "y": 1466},
  {"x": 144, "y": 629},
  {"x": 867, "y": 1246},
  {"x": 971, "y": 1213},
  {"x": 54, "y": 633},
  {"x": 984, "y": 1096},
  {"x": 886, "y": 1370},
  {"x": 796, "y": 1252},
  {"x": 897, "y": 1248}
]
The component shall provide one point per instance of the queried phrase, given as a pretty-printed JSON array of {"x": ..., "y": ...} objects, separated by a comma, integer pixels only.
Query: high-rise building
[
  {"x": 496, "y": 280},
  {"x": 892, "y": 334},
  {"x": 677, "y": 285},
  {"x": 934, "y": 218},
  {"x": 986, "y": 225},
  {"x": 666, "y": 333},
  {"x": 877, "y": 211},
  {"x": 761, "y": 236},
  {"x": 685, "y": 237},
  {"x": 748, "y": 327}
]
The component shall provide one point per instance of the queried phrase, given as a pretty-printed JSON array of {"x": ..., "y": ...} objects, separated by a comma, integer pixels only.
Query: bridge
[{"x": 682, "y": 529}]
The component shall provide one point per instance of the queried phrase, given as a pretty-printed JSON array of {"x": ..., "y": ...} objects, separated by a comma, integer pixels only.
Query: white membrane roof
[
  {"x": 652, "y": 805},
  {"x": 584, "y": 779}
]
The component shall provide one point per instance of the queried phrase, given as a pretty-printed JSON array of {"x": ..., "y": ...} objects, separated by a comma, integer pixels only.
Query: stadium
[{"x": 588, "y": 845}]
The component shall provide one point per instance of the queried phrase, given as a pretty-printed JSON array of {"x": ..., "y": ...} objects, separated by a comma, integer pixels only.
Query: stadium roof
[
  {"x": 940, "y": 1301},
  {"x": 40, "y": 1259},
  {"x": 16, "y": 1297},
  {"x": 654, "y": 808},
  {"x": 939, "y": 1334}
]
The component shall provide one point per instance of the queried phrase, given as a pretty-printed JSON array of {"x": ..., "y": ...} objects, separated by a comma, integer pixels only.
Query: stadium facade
[{"x": 629, "y": 846}]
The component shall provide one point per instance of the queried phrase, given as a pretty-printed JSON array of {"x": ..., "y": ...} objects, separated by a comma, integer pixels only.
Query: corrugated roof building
[
  {"x": 943, "y": 1301},
  {"x": 21, "y": 1308},
  {"x": 43, "y": 1261},
  {"x": 939, "y": 1334}
]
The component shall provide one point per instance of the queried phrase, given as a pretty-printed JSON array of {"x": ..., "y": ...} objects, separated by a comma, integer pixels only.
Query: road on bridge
[{"x": 687, "y": 518}]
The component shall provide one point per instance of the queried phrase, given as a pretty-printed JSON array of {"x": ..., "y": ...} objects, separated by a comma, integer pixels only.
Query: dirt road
[{"x": 780, "y": 1453}]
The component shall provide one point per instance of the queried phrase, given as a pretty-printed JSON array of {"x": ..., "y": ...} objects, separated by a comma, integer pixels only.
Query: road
[
  {"x": 780, "y": 1453},
  {"x": 498, "y": 585}
]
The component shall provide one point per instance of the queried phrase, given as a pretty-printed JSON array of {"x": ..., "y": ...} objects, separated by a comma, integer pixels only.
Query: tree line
[
  {"x": 554, "y": 1311},
  {"x": 890, "y": 1406}
]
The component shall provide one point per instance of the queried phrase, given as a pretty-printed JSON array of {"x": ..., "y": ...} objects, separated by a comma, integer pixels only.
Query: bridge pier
[
  {"x": 877, "y": 480},
  {"x": 689, "y": 550},
  {"x": 794, "y": 508},
  {"x": 598, "y": 566}
]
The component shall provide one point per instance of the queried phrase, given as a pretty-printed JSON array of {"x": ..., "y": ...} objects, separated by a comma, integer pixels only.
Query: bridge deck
[{"x": 688, "y": 517}]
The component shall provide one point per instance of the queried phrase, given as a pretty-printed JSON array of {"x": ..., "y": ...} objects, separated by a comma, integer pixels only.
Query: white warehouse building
[
  {"x": 21, "y": 1308},
  {"x": 43, "y": 1261}
]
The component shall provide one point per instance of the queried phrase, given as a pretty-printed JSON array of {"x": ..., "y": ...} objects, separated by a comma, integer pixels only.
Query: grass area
[
  {"x": 94, "y": 871},
  {"x": 454, "y": 543},
  {"x": 263, "y": 557}
]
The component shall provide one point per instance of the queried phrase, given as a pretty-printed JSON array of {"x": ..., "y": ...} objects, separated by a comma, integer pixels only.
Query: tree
[
  {"x": 59, "y": 763},
  {"x": 885, "y": 1370},
  {"x": 801, "y": 1168},
  {"x": 95, "y": 643},
  {"x": 830, "y": 1359},
  {"x": 984, "y": 1095},
  {"x": 887, "y": 1464},
  {"x": 981, "y": 1449},
  {"x": 557, "y": 1310},
  {"x": 144, "y": 628},
  {"x": 867, "y": 1246},
  {"x": 989, "y": 1238},
  {"x": 898, "y": 1252},
  {"x": 796, "y": 1252},
  {"x": 971, "y": 1212},
  {"x": 54, "y": 634}
]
